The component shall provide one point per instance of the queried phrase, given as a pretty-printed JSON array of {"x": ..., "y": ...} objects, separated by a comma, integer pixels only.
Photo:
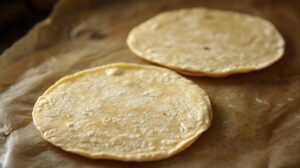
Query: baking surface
[{"x": 256, "y": 116}]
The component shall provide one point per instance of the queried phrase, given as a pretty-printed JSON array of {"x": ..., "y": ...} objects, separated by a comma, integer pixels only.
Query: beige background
[{"x": 256, "y": 116}]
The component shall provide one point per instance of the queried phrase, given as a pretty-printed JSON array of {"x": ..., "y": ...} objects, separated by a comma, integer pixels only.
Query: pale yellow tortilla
[
  {"x": 125, "y": 112},
  {"x": 206, "y": 42}
]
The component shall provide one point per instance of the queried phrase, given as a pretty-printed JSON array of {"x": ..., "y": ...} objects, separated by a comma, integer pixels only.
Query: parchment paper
[{"x": 256, "y": 120}]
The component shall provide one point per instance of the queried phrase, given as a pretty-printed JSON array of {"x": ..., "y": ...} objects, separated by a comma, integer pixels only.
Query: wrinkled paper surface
[{"x": 256, "y": 122}]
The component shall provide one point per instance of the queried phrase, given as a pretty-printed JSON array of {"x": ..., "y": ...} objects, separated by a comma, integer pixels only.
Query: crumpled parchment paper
[{"x": 256, "y": 120}]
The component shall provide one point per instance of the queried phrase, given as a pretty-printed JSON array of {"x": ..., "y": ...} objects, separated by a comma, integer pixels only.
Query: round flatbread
[
  {"x": 205, "y": 42},
  {"x": 124, "y": 112}
]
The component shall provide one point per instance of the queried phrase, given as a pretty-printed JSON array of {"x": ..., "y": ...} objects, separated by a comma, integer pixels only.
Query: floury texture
[
  {"x": 207, "y": 42},
  {"x": 126, "y": 112},
  {"x": 256, "y": 117}
]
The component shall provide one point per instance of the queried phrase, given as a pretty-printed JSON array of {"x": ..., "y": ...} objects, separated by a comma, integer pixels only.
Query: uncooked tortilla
[
  {"x": 125, "y": 112},
  {"x": 206, "y": 42}
]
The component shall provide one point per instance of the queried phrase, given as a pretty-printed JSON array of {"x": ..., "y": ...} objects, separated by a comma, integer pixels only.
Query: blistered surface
[
  {"x": 123, "y": 111},
  {"x": 207, "y": 42},
  {"x": 256, "y": 116}
]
